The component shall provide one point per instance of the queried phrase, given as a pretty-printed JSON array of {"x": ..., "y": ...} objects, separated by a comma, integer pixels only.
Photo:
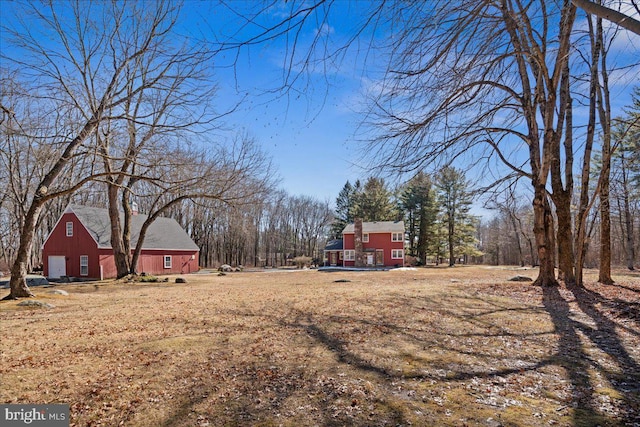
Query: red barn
[
  {"x": 381, "y": 243},
  {"x": 79, "y": 246}
]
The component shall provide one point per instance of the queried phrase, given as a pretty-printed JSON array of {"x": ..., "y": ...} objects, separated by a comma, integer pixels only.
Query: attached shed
[
  {"x": 333, "y": 253},
  {"x": 80, "y": 246}
]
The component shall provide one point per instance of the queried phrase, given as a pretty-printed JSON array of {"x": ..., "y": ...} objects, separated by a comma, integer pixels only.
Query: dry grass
[{"x": 459, "y": 346}]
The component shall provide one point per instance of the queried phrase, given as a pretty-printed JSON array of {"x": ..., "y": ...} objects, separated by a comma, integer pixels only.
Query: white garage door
[{"x": 57, "y": 267}]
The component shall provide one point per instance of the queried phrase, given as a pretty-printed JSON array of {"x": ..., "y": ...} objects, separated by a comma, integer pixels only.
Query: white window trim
[
  {"x": 349, "y": 255},
  {"x": 365, "y": 237},
  {"x": 395, "y": 252},
  {"x": 69, "y": 229},
  {"x": 397, "y": 237},
  {"x": 86, "y": 265},
  {"x": 165, "y": 259}
]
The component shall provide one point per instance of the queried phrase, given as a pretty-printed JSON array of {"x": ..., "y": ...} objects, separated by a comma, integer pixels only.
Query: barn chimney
[{"x": 357, "y": 238}]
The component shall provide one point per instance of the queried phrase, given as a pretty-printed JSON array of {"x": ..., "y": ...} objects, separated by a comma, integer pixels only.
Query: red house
[
  {"x": 368, "y": 244},
  {"x": 79, "y": 246}
]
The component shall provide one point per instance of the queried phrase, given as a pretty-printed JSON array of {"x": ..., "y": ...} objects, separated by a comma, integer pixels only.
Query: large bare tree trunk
[
  {"x": 628, "y": 221},
  {"x": 625, "y": 21},
  {"x": 585, "y": 205},
  {"x": 566, "y": 259},
  {"x": 543, "y": 229},
  {"x": 604, "y": 275},
  {"x": 120, "y": 256},
  {"x": 604, "y": 109},
  {"x": 18, "y": 282}
]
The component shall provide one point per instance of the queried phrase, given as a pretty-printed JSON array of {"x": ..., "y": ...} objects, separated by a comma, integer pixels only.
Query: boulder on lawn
[
  {"x": 36, "y": 280},
  {"x": 35, "y": 304},
  {"x": 521, "y": 279},
  {"x": 226, "y": 268},
  {"x": 181, "y": 280}
]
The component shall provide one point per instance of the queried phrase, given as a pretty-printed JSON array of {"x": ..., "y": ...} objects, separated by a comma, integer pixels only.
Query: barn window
[
  {"x": 397, "y": 254},
  {"x": 69, "y": 229},
  {"x": 349, "y": 255},
  {"x": 167, "y": 261},
  {"x": 397, "y": 237},
  {"x": 365, "y": 237},
  {"x": 84, "y": 265}
]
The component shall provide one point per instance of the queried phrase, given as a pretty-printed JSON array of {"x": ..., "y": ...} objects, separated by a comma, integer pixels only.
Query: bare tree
[
  {"x": 169, "y": 111},
  {"x": 79, "y": 54},
  {"x": 506, "y": 203},
  {"x": 604, "y": 113},
  {"x": 235, "y": 175},
  {"x": 487, "y": 77},
  {"x": 622, "y": 19}
]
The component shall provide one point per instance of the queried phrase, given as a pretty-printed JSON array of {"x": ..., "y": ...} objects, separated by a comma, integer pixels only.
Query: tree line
[
  {"x": 435, "y": 210},
  {"x": 521, "y": 88},
  {"x": 112, "y": 95}
]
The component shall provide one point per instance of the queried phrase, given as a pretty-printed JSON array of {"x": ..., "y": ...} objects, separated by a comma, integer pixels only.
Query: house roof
[
  {"x": 377, "y": 227},
  {"x": 163, "y": 233},
  {"x": 334, "y": 245}
]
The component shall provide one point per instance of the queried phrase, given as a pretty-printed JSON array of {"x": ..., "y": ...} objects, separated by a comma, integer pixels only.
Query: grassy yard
[{"x": 430, "y": 347}]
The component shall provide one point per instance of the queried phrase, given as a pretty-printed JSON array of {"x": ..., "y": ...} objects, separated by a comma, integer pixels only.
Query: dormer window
[{"x": 69, "y": 229}]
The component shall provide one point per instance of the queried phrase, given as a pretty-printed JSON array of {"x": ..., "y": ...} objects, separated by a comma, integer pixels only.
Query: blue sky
[{"x": 311, "y": 132}]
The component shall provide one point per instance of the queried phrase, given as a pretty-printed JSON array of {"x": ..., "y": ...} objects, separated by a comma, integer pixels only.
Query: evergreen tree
[
  {"x": 455, "y": 202},
  {"x": 626, "y": 161},
  {"x": 417, "y": 202},
  {"x": 374, "y": 202},
  {"x": 344, "y": 210}
]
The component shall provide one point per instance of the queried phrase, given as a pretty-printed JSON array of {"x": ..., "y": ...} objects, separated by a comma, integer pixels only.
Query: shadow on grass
[
  {"x": 567, "y": 346},
  {"x": 580, "y": 365}
]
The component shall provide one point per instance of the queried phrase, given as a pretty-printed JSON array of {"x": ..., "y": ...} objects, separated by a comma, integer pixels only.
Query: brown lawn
[{"x": 430, "y": 347}]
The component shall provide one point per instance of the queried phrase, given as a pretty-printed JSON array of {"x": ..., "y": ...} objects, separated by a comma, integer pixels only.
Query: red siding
[
  {"x": 81, "y": 243},
  {"x": 152, "y": 262},
  {"x": 376, "y": 241}
]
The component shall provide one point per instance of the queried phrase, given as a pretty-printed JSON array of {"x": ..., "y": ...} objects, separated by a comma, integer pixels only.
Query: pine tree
[
  {"x": 345, "y": 208},
  {"x": 455, "y": 202},
  {"x": 626, "y": 160},
  {"x": 374, "y": 202},
  {"x": 417, "y": 202}
]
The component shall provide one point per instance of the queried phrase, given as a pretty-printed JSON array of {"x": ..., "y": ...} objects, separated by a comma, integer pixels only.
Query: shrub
[{"x": 302, "y": 261}]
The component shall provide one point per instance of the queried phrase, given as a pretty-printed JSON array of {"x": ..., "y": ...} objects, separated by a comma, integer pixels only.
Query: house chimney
[{"x": 357, "y": 238}]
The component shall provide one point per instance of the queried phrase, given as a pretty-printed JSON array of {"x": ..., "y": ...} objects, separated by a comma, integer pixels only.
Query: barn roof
[
  {"x": 163, "y": 233},
  {"x": 377, "y": 227}
]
